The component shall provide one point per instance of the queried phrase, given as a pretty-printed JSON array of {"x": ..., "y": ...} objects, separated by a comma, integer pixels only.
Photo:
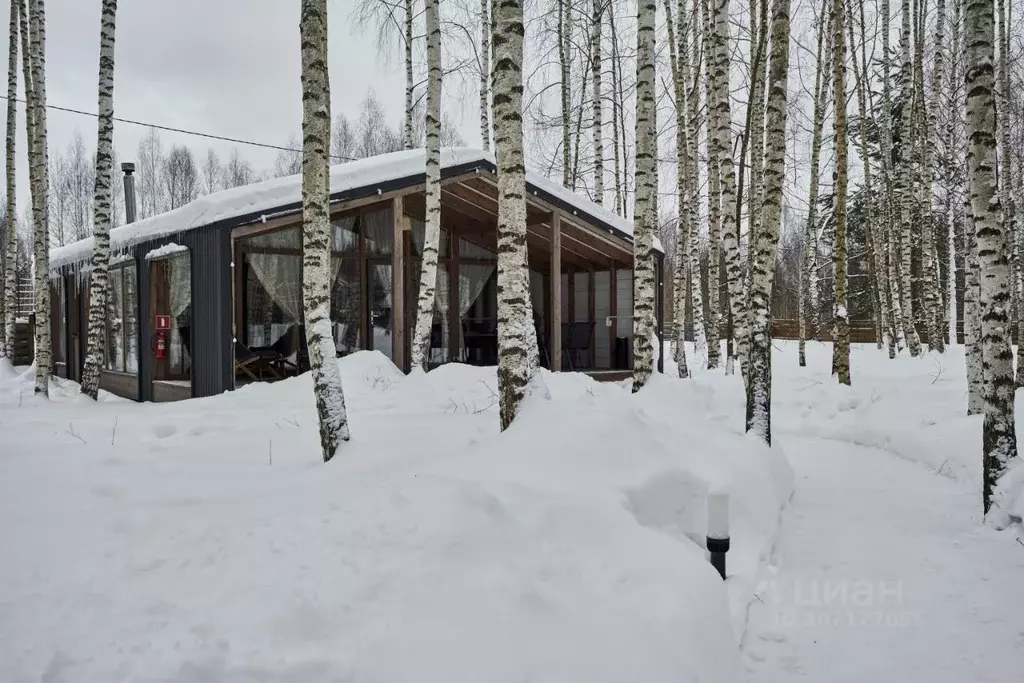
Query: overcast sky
[{"x": 228, "y": 67}]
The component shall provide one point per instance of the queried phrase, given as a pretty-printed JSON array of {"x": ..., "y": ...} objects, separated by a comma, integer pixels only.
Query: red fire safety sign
[{"x": 163, "y": 322}]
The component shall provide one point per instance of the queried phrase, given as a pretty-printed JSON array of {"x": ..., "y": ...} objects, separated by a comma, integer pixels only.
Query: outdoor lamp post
[{"x": 718, "y": 530}]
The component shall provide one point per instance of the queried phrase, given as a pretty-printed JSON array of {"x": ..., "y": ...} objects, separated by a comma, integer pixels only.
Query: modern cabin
[{"x": 208, "y": 297}]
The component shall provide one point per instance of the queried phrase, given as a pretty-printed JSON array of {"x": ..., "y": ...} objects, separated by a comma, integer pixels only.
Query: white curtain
[
  {"x": 180, "y": 277},
  {"x": 281, "y": 277},
  {"x": 472, "y": 280}
]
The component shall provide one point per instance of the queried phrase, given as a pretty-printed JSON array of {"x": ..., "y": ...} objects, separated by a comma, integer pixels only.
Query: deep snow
[{"x": 204, "y": 540}]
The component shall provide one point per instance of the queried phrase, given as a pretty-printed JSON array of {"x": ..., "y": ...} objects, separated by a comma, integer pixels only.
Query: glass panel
[
  {"x": 581, "y": 297},
  {"x": 346, "y": 305},
  {"x": 565, "y": 298},
  {"x": 60, "y": 343},
  {"x": 379, "y": 230},
  {"x": 131, "y": 320},
  {"x": 624, "y": 320},
  {"x": 602, "y": 309},
  {"x": 478, "y": 313},
  {"x": 343, "y": 234},
  {"x": 439, "y": 332},
  {"x": 470, "y": 250},
  {"x": 417, "y": 238},
  {"x": 273, "y": 285},
  {"x": 380, "y": 307},
  {"x": 114, "y": 358},
  {"x": 538, "y": 300},
  {"x": 179, "y": 275}
]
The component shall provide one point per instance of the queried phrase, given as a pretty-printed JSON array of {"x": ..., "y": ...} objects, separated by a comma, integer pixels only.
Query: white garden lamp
[{"x": 718, "y": 529}]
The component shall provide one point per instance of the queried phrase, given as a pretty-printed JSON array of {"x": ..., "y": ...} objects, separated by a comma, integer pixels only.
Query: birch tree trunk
[
  {"x": 691, "y": 95},
  {"x": 714, "y": 197},
  {"x": 41, "y": 237},
  {"x": 999, "y": 442},
  {"x": 407, "y": 127},
  {"x": 904, "y": 190},
  {"x": 841, "y": 343},
  {"x": 10, "y": 260},
  {"x": 972, "y": 316},
  {"x": 810, "y": 246},
  {"x": 564, "y": 45},
  {"x": 595, "y": 70},
  {"x": 953, "y": 145},
  {"x": 514, "y": 325},
  {"x": 316, "y": 228},
  {"x": 644, "y": 218},
  {"x": 683, "y": 224},
  {"x": 759, "y": 372},
  {"x": 872, "y": 228},
  {"x": 101, "y": 205},
  {"x": 485, "y": 73},
  {"x": 432, "y": 225},
  {"x": 616, "y": 114},
  {"x": 722, "y": 155}
]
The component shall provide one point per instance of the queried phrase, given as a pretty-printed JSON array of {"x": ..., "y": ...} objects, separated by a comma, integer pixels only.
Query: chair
[
  {"x": 284, "y": 349},
  {"x": 251, "y": 363},
  {"x": 482, "y": 336},
  {"x": 578, "y": 340}
]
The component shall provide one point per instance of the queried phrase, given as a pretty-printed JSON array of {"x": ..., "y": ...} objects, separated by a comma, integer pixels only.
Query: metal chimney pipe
[{"x": 129, "y": 191}]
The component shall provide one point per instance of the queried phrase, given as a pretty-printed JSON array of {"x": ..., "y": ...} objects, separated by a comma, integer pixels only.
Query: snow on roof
[{"x": 277, "y": 194}]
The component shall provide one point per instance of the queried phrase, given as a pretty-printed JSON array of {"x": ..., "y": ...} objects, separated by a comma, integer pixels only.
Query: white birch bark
[
  {"x": 10, "y": 261},
  {"x": 644, "y": 216},
  {"x": 515, "y": 327},
  {"x": 564, "y": 44},
  {"x": 432, "y": 224},
  {"x": 808, "y": 285},
  {"x": 691, "y": 95},
  {"x": 1006, "y": 177},
  {"x": 930, "y": 140},
  {"x": 722, "y": 145},
  {"x": 616, "y": 116},
  {"x": 999, "y": 441},
  {"x": 596, "y": 65},
  {"x": 409, "y": 86},
  {"x": 714, "y": 197},
  {"x": 683, "y": 223},
  {"x": 316, "y": 229},
  {"x": 841, "y": 338},
  {"x": 759, "y": 370},
  {"x": 485, "y": 73},
  {"x": 101, "y": 205},
  {"x": 41, "y": 233},
  {"x": 904, "y": 190}
]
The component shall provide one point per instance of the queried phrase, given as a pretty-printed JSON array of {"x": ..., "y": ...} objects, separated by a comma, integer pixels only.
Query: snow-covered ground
[{"x": 204, "y": 540}]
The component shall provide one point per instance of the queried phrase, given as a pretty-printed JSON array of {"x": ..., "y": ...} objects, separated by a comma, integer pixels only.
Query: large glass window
[
  {"x": 440, "y": 341},
  {"x": 121, "y": 350},
  {"x": 478, "y": 303},
  {"x": 273, "y": 285},
  {"x": 602, "y": 310}
]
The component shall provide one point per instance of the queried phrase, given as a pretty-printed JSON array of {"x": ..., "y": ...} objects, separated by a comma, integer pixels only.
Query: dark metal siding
[{"x": 210, "y": 252}]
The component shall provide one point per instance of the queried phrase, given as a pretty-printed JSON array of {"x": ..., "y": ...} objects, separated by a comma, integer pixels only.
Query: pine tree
[
  {"x": 514, "y": 324},
  {"x": 316, "y": 228},
  {"x": 841, "y": 343},
  {"x": 432, "y": 228},
  {"x": 10, "y": 261},
  {"x": 41, "y": 232},
  {"x": 101, "y": 205},
  {"x": 644, "y": 216},
  {"x": 999, "y": 441},
  {"x": 808, "y": 286},
  {"x": 759, "y": 380}
]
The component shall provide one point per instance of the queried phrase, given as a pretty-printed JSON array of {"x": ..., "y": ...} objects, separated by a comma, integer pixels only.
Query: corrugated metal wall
[{"x": 210, "y": 252}]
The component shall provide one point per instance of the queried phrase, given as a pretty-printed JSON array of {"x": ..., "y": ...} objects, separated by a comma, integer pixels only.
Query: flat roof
[{"x": 351, "y": 180}]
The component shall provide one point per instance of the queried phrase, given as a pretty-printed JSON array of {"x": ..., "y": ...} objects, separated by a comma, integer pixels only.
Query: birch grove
[
  {"x": 101, "y": 205},
  {"x": 10, "y": 277},
  {"x": 432, "y": 223},
  {"x": 316, "y": 228}
]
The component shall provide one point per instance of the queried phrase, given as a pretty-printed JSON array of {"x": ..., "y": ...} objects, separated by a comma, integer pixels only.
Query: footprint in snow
[
  {"x": 773, "y": 636},
  {"x": 164, "y": 431}
]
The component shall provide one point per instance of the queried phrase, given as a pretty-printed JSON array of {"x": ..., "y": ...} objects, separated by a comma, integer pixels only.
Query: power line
[{"x": 183, "y": 131}]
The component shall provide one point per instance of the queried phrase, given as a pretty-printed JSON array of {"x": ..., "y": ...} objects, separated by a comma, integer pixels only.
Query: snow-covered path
[{"x": 883, "y": 572}]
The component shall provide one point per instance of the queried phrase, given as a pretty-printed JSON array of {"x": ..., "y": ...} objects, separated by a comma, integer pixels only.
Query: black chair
[
  {"x": 284, "y": 348},
  {"x": 577, "y": 340},
  {"x": 480, "y": 335},
  {"x": 436, "y": 341}
]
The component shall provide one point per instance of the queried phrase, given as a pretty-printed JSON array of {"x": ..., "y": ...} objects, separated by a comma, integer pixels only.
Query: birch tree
[
  {"x": 691, "y": 105},
  {"x": 714, "y": 195},
  {"x": 515, "y": 327},
  {"x": 683, "y": 197},
  {"x": 1006, "y": 177},
  {"x": 10, "y": 257},
  {"x": 316, "y": 228},
  {"x": 41, "y": 232},
  {"x": 722, "y": 156},
  {"x": 999, "y": 441},
  {"x": 485, "y": 73},
  {"x": 644, "y": 218},
  {"x": 841, "y": 338},
  {"x": 101, "y": 205},
  {"x": 904, "y": 190},
  {"x": 759, "y": 370},
  {"x": 564, "y": 45},
  {"x": 596, "y": 65},
  {"x": 407, "y": 136},
  {"x": 432, "y": 227},
  {"x": 808, "y": 284}
]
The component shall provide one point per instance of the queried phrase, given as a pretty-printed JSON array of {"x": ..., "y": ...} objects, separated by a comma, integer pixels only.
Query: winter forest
[{"x": 809, "y": 449}]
